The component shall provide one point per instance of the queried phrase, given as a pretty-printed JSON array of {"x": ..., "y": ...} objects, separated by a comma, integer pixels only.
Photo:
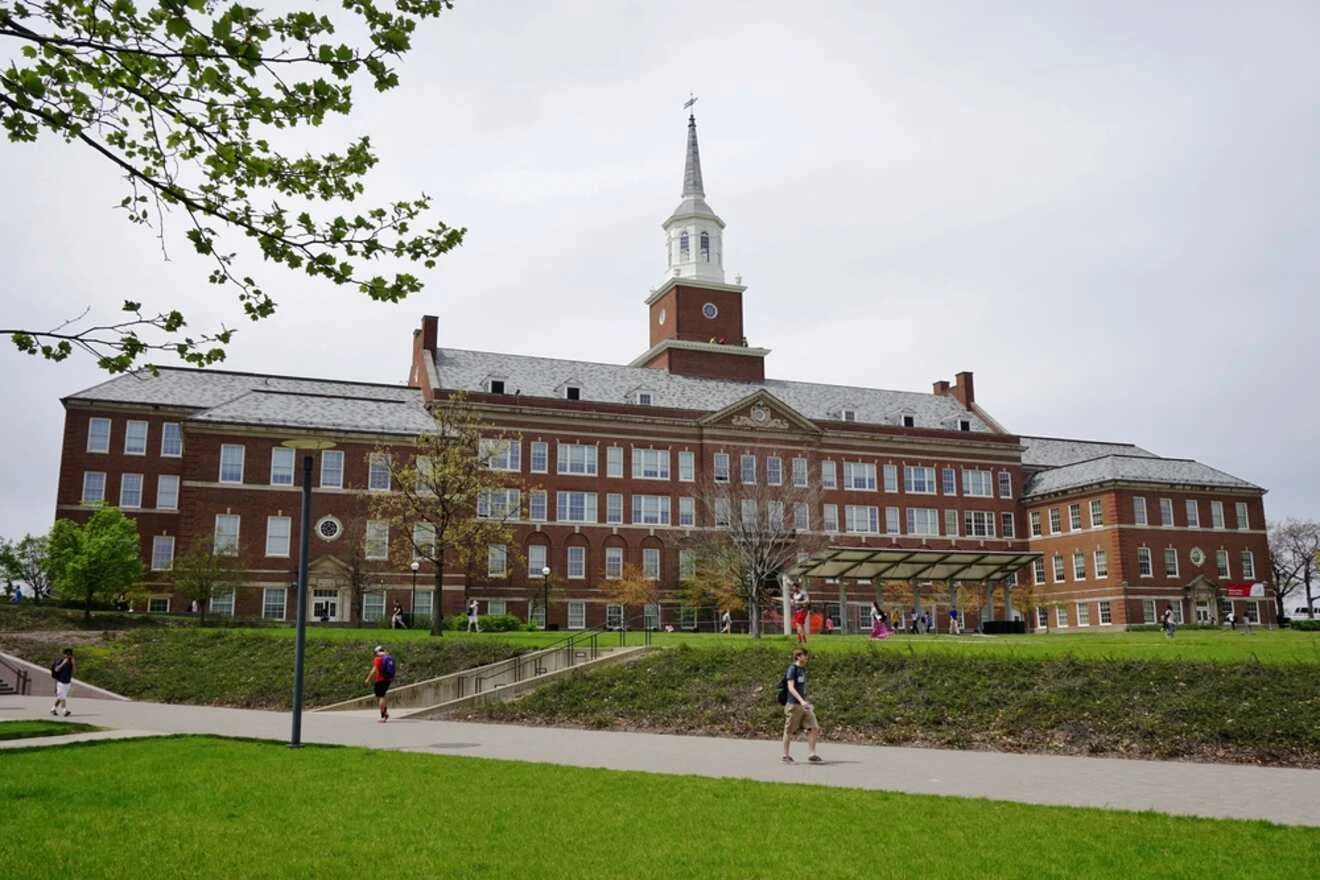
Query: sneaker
[
  {"x": 54, "y": 711},
  {"x": 788, "y": 759},
  {"x": 815, "y": 759},
  {"x": 67, "y": 713}
]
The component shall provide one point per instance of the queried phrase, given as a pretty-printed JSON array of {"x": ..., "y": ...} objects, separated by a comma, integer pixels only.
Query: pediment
[{"x": 761, "y": 411}]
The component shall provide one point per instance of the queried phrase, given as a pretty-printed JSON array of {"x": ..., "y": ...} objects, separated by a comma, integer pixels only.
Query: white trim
[
  {"x": 703, "y": 283},
  {"x": 687, "y": 345}
]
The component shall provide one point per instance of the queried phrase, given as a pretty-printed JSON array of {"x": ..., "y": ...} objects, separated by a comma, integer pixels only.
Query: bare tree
[
  {"x": 1294, "y": 559},
  {"x": 454, "y": 498},
  {"x": 202, "y": 573},
  {"x": 752, "y": 531}
]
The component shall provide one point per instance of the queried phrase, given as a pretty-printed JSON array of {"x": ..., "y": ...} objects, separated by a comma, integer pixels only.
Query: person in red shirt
[{"x": 380, "y": 678}]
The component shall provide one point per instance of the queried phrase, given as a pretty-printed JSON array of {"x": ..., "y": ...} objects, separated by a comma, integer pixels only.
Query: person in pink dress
[{"x": 879, "y": 623}]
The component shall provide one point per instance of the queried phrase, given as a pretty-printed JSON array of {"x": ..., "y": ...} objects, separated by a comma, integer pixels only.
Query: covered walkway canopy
[{"x": 900, "y": 563}]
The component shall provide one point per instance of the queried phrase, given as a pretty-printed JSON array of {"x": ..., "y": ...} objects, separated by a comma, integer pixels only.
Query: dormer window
[
  {"x": 964, "y": 425},
  {"x": 909, "y": 422},
  {"x": 572, "y": 392},
  {"x": 496, "y": 386},
  {"x": 705, "y": 247},
  {"x": 848, "y": 415},
  {"x": 645, "y": 398}
]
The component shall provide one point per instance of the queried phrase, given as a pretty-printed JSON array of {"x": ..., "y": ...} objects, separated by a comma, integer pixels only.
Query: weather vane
[{"x": 692, "y": 99}]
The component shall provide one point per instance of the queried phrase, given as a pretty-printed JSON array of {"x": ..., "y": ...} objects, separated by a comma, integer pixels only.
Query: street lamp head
[
  {"x": 545, "y": 572},
  {"x": 415, "y": 565}
]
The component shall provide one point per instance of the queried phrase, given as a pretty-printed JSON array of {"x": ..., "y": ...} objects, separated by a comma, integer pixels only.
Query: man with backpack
[
  {"x": 798, "y": 713},
  {"x": 62, "y": 671},
  {"x": 380, "y": 678}
]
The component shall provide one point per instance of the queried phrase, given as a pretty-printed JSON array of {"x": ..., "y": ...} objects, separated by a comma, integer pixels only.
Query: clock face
[
  {"x": 660, "y": 318},
  {"x": 709, "y": 310},
  {"x": 760, "y": 413}
]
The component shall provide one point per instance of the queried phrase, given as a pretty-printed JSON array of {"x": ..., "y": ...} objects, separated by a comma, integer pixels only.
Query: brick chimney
[
  {"x": 941, "y": 387},
  {"x": 423, "y": 347},
  {"x": 962, "y": 389}
]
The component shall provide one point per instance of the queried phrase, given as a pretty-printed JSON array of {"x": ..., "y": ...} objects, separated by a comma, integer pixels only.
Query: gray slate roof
[
  {"x": 464, "y": 370},
  {"x": 1131, "y": 468},
  {"x": 1056, "y": 452},
  {"x": 202, "y": 389},
  {"x": 323, "y": 412}
]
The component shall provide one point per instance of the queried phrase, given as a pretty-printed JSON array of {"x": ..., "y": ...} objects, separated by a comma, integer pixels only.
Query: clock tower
[{"x": 696, "y": 320}]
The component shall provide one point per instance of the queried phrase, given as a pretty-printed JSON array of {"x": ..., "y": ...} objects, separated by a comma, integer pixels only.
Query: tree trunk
[{"x": 437, "y": 599}]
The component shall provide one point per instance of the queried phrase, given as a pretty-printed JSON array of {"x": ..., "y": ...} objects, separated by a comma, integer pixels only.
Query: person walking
[
  {"x": 380, "y": 678},
  {"x": 473, "y": 625},
  {"x": 62, "y": 671},
  {"x": 1168, "y": 622},
  {"x": 801, "y": 604},
  {"x": 955, "y": 625},
  {"x": 726, "y": 623},
  {"x": 879, "y": 623},
  {"x": 798, "y": 713},
  {"x": 396, "y": 618},
  {"x": 1232, "y": 620}
]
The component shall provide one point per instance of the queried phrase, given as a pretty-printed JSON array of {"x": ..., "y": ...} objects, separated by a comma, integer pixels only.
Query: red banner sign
[{"x": 1245, "y": 590}]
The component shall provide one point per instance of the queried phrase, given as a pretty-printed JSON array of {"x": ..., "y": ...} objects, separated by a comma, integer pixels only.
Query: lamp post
[
  {"x": 412, "y": 602},
  {"x": 545, "y": 598}
]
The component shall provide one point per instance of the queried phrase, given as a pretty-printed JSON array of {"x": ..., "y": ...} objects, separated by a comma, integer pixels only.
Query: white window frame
[
  {"x": 1079, "y": 565},
  {"x": 949, "y": 481},
  {"x": 280, "y": 550},
  {"x": 564, "y": 504},
  {"x": 1247, "y": 560},
  {"x": 1100, "y": 562},
  {"x": 1171, "y": 573},
  {"x": 376, "y": 537},
  {"x": 500, "y": 504},
  {"x": 919, "y": 479},
  {"x": 1074, "y": 517},
  {"x": 687, "y": 466},
  {"x": 1139, "y": 513},
  {"x": 978, "y": 483},
  {"x": 225, "y": 548},
  {"x": 281, "y": 472},
  {"x": 337, "y": 456},
  {"x": 923, "y": 522},
  {"x": 687, "y": 511},
  {"x": 1038, "y": 571},
  {"x": 1007, "y": 524},
  {"x": 373, "y": 606},
  {"x": 613, "y": 616},
  {"x": 978, "y": 523},
  {"x": 614, "y": 462},
  {"x": 801, "y": 516},
  {"x": 1193, "y": 508},
  {"x": 889, "y": 476},
  {"x": 1242, "y": 513},
  {"x": 495, "y": 607},
  {"x": 1106, "y": 610},
  {"x": 576, "y": 459},
  {"x": 829, "y": 475},
  {"x": 104, "y": 447},
  {"x": 267, "y": 606},
  {"x": 952, "y": 526},
  {"x": 1057, "y": 570},
  {"x": 88, "y": 482},
  {"x": 614, "y": 508},
  {"x": 1223, "y": 564},
  {"x": 1036, "y": 529},
  {"x": 497, "y": 560},
  {"x": 162, "y": 548},
  {"x": 222, "y": 603},
  {"x": 720, "y": 467},
  {"x": 125, "y": 500},
  {"x": 859, "y": 476},
  {"x": 1056, "y": 521},
  {"x": 613, "y": 563},
  {"x": 1145, "y": 565},
  {"x": 1005, "y": 484},
  {"x": 227, "y": 449},
  {"x": 539, "y": 454},
  {"x": 1166, "y": 513},
  {"x": 537, "y": 506},
  {"x": 747, "y": 469},
  {"x": 1217, "y": 520},
  {"x": 1148, "y": 615},
  {"x": 171, "y": 431},
  {"x": 577, "y": 614},
  {"x": 1042, "y": 617},
  {"x": 158, "y": 604},
  {"x": 650, "y": 464},
  {"x": 861, "y": 519},
  {"x": 1061, "y": 616},
  {"x": 829, "y": 517},
  {"x": 502, "y": 453},
  {"x": 800, "y": 472},
  {"x": 537, "y": 554},
  {"x": 651, "y": 510},
  {"x": 893, "y": 521},
  {"x": 378, "y": 472},
  {"x": 576, "y": 563},
  {"x": 1083, "y": 612},
  {"x": 1097, "y": 514},
  {"x": 162, "y": 495},
  {"x": 774, "y": 470},
  {"x": 651, "y": 563},
  {"x": 136, "y": 445}
]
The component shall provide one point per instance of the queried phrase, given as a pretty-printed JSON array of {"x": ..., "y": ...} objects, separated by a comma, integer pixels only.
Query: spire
[{"x": 692, "y": 168}]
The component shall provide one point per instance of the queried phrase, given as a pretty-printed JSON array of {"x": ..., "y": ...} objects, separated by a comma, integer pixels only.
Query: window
[
  {"x": 801, "y": 516},
  {"x": 536, "y": 557},
  {"x": 577, "y": 614},
  {"x": 800, "y": 472},
  {"x": 575, "y": 458},
  {"x": 651, "y": 563},
  {"x": 949, "y": 477},
  {"x": 977, "y": 483},
  {"x": 1006, "y": 485},
  {"x": 829, "y": 517},
  {"x": 951, "y": 523},
  {"x": 1243, "y": 522},
  {"x": 1170, "y": 562},
  {"x": 704, "y": 238},
  {"x": 774, "y": 470},
  {"x": 978, "y": 524},
  {"x": 1083, "y": 614},
  {"x": 1147, "y": 610},
  {"x": 651, "y": 510},
  {"x": 1193, "y": 514},
  {"x": 226, "y": 534},
  {"x": 499, "y": 504},
  {"x": 918, "y": 480},
  {"x": 158, "y": 605},
  {"x": 222, "y": 603},
  {"x": 1074, "y": 517},
  {"x": 1056, "y": 522},
  {"x": 891, "y": 478},
  {"x": 721, "y": 464},
  {"x": 1144, "y": 565},
  {"x": 644, "y": 398},
  {"x": 614, "y": 462},
  {"x": 861, "y": 520},
  {"x": 1221, "y": 563},
  {"x": 828, "y": 475},
  {"x": 93, "y": 489},
  {"x": 98, "y": 435},
  {"x": 747, "y": 469},
  {"x": 614, "y": 616},
  {"x": 1253, "y": 611},
  {"x": 1061, "y": 616},
  {"x": 496, "y": 386},
  {"x": 332, "y": 469},
  {"x": 687, "y": 511},
  {"x": 1216, "y": 514},
  {"x": 423, "y": 539},
  {"x": 1248, "y": 565},
  {"x": 923, "y": 521},
  {"x": 891, "y": 521},
  {"x": 496, "y": 607},
  {"x": 167, "y": 492},
  {"x": 575, "y": 507},
  {"x": 909, "y": 421},
  {"x": 687, "y": 565},
  {"x": 650, "y": 464},
  {"x": 1176, "y": 608},
  {"x": 684, "y": 247},
  {"x": 540, "y": 457},
  {"x": 613, "y": 563},
  {"x": 1038, "y": 571},
  {"x": 722, "y": 515},
  {"x": 1058, "y": 568},
  {"x": 231, "y": 463},
  {"x": 572, "y": 392},
  {"x": 277, "y": 535},
  {"x": 536, "y": 506},
  {"x": 614, "y": 508},
  {"x": 1139, "y": 510},
  {"x": 273, "y": 603},
  {"x": 171, "y": 440},
  {"x": 857, "y": 475},
  {"x": 1097, "y": 515},
  {"x": 748, "y": 512},
  {"x": 378, "y": 540},
  {"x": 1079, "y": 566},
  {"x": 774, "y": 515},
  {"x": 1106, "y": 613},
  {"x": 964, "y": 425},
  {"x": 848, "y": 415},
  {"x": 577, "y": 563},
  {"x": 502, "y": 453},
  {"x": 281, "y": 466},
  {"x": 1006, "y": 527},
  {"x": 135, "y": 438},
  {"x": 497, "y": 560},
  {"x": 162, "y": 552},
  {"x": 1101, "y": 564},
  {"x": 1035, "y": 523},
  {"x": 425, "y": 604},
  {"x": 687, "y": 467},
  {"x": 130, "y": 490}
]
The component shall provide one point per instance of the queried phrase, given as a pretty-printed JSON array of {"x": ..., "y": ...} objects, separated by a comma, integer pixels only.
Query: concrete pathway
[{"x": 1231, "y": 791}]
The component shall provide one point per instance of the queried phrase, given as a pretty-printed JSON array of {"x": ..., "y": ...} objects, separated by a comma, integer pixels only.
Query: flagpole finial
[{"x": 692, "y": 99}]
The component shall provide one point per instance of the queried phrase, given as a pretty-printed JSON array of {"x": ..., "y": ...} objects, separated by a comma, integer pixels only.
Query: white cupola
[{"x": 694, "y": 234}]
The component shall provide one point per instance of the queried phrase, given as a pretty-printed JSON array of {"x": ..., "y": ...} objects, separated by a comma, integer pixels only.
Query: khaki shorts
[{"x": 797, "y": 717}]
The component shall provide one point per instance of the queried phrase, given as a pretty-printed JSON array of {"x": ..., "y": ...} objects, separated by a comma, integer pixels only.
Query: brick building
[{"x": 609, "y": 461}]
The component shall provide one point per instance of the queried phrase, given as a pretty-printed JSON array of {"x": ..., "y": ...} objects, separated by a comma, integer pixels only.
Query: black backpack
[{"x": 781, "y": 693}]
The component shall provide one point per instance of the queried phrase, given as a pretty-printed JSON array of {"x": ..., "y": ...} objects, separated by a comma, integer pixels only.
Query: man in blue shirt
[{"x": 798, "y": 713}]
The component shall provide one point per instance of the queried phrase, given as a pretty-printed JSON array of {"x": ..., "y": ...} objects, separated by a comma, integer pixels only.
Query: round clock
[
  {"x": 709, "y": 310},
  {"x": 760, "y": 414}
]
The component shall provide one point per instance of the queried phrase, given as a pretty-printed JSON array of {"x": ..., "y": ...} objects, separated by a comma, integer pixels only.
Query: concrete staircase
[{"x": 504, "y": 681}]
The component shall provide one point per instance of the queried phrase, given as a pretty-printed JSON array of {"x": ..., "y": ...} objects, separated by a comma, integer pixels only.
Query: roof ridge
[{"x": 283, "y": 393}]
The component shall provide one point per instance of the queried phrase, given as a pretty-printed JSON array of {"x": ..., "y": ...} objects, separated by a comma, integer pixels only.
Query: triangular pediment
[{"x": 761, "y": 411}]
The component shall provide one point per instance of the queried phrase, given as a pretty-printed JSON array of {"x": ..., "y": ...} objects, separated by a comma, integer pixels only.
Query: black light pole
[
  {"x": 545, "y": 598},
  {"x": 412, "y": 602},
  {"x": 304, "y": 532}
]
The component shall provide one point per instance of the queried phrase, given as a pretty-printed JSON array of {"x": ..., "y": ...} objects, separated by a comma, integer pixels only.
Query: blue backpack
[{"x": 387, "y": 666}]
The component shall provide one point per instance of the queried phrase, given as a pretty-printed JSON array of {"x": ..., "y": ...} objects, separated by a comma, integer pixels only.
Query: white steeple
[{"x": 694, "y": 234}]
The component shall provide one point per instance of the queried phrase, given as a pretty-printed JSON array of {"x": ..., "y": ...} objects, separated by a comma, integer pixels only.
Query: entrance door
[
  {"x": 1202, "y": 611},
  {"x": 325, "y": 605}
]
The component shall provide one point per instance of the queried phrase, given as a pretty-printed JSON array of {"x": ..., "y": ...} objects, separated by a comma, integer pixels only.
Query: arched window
[
  {"x": 705, "y": 247},
  {"x": 684, "y": 249}
]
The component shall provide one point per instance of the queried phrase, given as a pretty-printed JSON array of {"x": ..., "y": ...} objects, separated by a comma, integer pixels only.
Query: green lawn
[
  {"x": 26, "y": 729},
  {"x": 204, "y": 807}
]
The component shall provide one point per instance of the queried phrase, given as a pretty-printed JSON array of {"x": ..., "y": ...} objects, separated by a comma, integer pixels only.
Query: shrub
[
  {"x": 487, "y": 622},
  {"x": 1308, "y": 625}
]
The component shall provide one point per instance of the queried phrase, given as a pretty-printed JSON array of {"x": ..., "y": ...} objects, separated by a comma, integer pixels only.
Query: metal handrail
[
  {"x": 569, "y": 644},
  {"x": 22, "y": 680}
]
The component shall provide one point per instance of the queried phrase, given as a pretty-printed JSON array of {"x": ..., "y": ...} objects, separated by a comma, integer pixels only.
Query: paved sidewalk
[{"x": 1234, "y": 791}]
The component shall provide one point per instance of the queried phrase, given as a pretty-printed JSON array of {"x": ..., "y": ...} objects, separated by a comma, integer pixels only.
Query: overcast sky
[{"x": 1107, "y": 211}]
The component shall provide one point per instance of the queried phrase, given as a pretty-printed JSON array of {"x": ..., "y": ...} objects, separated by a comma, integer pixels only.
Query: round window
[
  {"x": 329, "y": 528},
  {"x": 709, "y": 310},
  {"x": 1197, "y": 556}
]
